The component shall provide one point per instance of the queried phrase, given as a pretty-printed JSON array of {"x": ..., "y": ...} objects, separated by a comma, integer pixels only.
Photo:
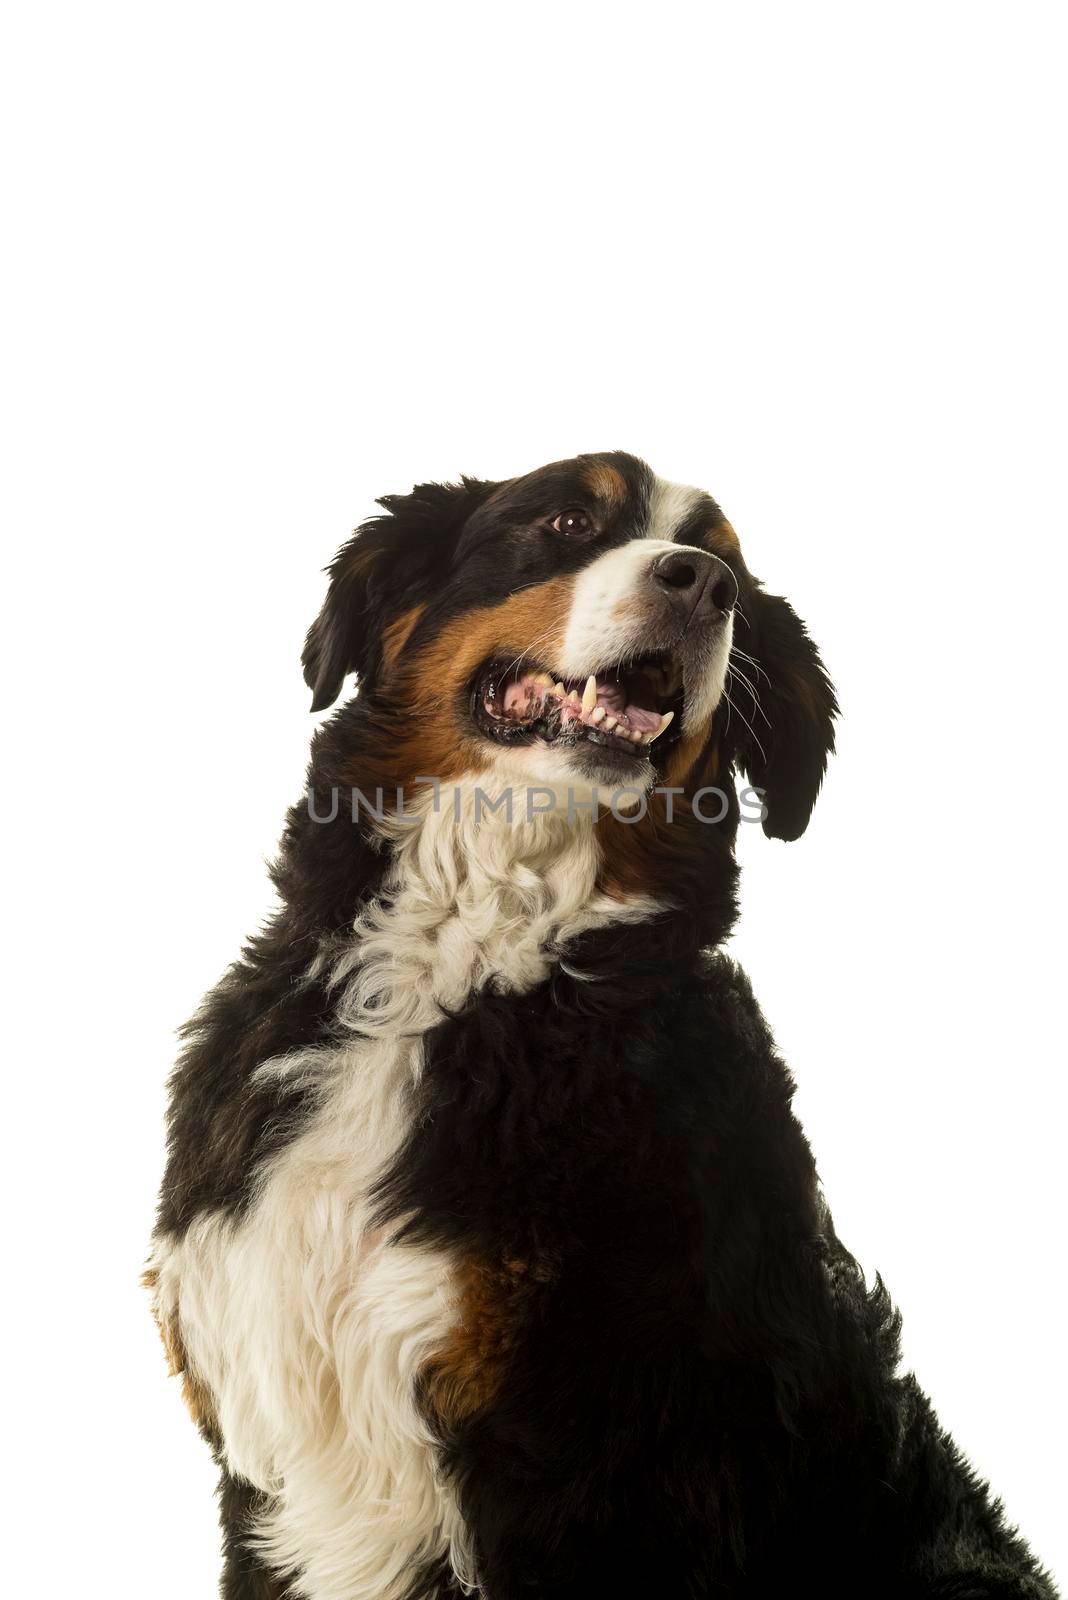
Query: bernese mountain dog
[{"x": 492, "y": 1255}]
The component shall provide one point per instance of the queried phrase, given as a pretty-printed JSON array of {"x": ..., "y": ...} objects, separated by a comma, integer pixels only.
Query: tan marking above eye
[
  {"x": 606, "y": 482},
  {"x": 723, "y": 535}
]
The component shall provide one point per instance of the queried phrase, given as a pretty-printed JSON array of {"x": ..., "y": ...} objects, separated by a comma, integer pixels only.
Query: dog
[{"x": 489, "y": 1249}]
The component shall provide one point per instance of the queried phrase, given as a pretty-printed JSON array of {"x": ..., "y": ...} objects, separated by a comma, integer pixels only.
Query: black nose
[{"x": 695, "y": 582}]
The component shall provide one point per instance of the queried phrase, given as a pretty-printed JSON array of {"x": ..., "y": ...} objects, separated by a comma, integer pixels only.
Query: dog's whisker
[
  {"x": 528, "y": 653},
  {"x": 752, "y": 660},
  {"x": 746, "y": 720},
  {"x": 737, "y": 672}
]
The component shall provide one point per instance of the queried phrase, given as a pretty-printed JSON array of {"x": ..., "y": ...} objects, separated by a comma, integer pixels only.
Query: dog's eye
[{"x": 575, "y": 523}]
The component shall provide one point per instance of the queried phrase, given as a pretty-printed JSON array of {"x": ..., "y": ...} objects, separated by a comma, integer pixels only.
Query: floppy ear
[
  {"x": 342, "y": 637},
  {"x": 785, "y": 756},
  {"x": 382, "y": 567}
]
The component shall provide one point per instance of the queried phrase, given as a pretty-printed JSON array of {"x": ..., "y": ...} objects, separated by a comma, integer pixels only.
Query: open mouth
[{"x": 623, "y": 708}]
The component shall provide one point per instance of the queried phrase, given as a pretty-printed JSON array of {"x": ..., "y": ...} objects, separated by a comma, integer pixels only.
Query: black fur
[
  {"x": 707, "y": 1401},
  {"x": 702, "y": 1397}
]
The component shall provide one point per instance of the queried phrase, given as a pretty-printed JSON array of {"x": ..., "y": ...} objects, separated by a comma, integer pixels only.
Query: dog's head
[{"x": 585, "y": 624}]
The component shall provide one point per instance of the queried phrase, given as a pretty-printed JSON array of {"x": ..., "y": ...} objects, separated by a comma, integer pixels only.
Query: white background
[{"x": 265, "y": 263}]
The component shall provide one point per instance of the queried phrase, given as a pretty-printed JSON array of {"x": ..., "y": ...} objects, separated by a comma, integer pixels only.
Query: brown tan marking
[
  {"x": 397, "y": 635},
  {"x": 607, "y": 483},
  {"x": 723, "y": 539},
  {"x": 683, "y": 758},
  {"x": 496, "y": 1301},
  {"x": 643, "y": 857},
  {"x": 195, "y": 1393},
  {"x": 424, "y": 737}
]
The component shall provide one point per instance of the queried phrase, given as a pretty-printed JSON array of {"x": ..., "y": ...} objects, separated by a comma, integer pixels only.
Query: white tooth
[
  {"x": 664, "y": 720},
  {"x": 598, "y": 714},
  {"x": 543, "y": 680},
  {"x": 559, "y": 688},
  {"x": 636, "y": 736},
  {"x": 573, "y": 698},
  {"x": 589, "y": 694},
  {"x": 609, "y": 724}
]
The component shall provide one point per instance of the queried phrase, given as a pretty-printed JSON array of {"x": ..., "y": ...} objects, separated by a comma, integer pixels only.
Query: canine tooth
[
  {"x": 598, "y": 714},
  {"x": 668, "y": 716},
  {"x": 589, "y": 694}
]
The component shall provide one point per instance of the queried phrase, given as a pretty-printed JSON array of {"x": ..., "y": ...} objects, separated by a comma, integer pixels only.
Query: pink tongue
[
  {"x": 644, "y": 721},
  {"x": 638, "y": 716},
  {"x": 610, "y": 695}
]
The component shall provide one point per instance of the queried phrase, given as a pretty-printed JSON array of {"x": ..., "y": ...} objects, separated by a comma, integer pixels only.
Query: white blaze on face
[
  {"x": 669, "y": 506},
  {"x": 608, "y": 614},
  {"x": 607, "y": 607}
]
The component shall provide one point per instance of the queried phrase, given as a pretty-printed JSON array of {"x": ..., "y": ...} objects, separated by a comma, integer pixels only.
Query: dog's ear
[
  {"x": 342, "y": 636},
  {"x": 784, "y": 755},
  {"x": 387, "y": 564}
]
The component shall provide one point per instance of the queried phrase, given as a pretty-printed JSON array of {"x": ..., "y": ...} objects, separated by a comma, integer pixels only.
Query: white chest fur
[{"x": 307, "y": 1325}]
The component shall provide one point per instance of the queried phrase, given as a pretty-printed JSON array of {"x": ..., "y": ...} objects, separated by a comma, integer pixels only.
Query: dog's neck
[{"x": 472, "y": 898}]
